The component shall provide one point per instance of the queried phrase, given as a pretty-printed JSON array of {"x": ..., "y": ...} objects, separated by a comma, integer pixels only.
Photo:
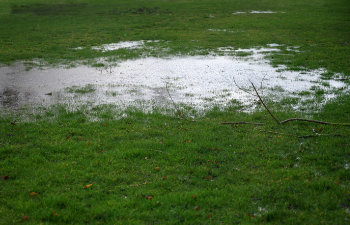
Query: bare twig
[
  {"x": 262, "y": 102},
  {"x": 241, "y": 122},
  {"x": 313, "y": 121},
  {"x": 275, "y": 118},
  {"x": 240, "y": 88}
]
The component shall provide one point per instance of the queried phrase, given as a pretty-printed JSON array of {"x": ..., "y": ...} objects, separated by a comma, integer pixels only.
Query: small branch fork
[
  {"x": 262, "y": 102},
  {"x": 275, "y": 118}
]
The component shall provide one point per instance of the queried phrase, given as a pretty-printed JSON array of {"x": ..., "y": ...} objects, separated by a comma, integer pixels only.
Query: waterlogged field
[
  {"x": 198, "y": 82},
  {"x": 115, "y": 112}
]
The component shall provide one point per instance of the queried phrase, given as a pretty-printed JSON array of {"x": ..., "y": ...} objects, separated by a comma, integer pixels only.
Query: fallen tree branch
[
  {"x": 313, "y": 121},
  {"x": 293, "y": 119},
  {"x": 262, "y": 102},
  {"x": 276, "y": 119}
]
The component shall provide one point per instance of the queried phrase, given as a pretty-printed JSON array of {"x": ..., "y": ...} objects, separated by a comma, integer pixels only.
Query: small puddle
[
  {"x": 121, "y": 45},
  {"x": 197, "y": 81},
  {"x": 255, "y": 12},
  {"x": 226, "y": 30}
]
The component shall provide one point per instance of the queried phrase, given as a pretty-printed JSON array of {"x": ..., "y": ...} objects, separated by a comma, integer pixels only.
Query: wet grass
[
  {"x": 243, "y": 54},
  {"x": 157, "y": 169},
  {"x": 63, "y": 168},
  {"x": 82, "y": 90},
  {"x": 36, "y": 29},
  {"x": 42, "y": 9}
]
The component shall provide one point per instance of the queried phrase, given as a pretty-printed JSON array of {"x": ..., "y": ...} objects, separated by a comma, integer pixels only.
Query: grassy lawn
[
  {"x": 149, "y": 168},
  {"x": 45, "y": 30},
  {"x": 155, "y": 169}
]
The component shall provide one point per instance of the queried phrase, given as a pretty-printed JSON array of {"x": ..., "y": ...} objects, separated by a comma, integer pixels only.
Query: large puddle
[{"x": 197, "y": 81}]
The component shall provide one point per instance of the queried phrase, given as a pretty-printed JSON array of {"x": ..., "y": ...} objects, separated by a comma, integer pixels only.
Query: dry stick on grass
[
  {"x": 275, "y": 118},
  {"x": 294, "y": 119},
  {"x": 262, "y": 102},
  {"x": 313, "y": 121}
]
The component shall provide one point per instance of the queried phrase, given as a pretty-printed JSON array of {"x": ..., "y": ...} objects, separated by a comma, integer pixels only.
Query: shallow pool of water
[{"x": 197, "y": 81}]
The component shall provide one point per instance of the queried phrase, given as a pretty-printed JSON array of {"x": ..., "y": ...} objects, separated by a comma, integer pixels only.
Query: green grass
[
  {"x": 81, "y": 90},
  {"x": 37, "y": 29},
  {"x": 208, "y": 173},
  {"x": 160, "y": 169}
]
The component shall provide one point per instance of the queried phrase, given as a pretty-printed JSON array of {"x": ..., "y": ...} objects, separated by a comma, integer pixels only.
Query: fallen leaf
[
  {"x": 54, "y": 213},
  {"x": 208, "y": 177},
  {"x": 6, "y": 177},
  {"x": 196, "y": 208},
  {"x": 25, "y": 218},
  {"x": 188, "y": 141},
  {"x": 193, "y": 197},
  {"x": 33, "y": 194},
  {"x": 209, "y": 216},
  {"x": 157, "y": 168},
  {"x": 88, "y": 186},
  {"x": 149, "y": 197}
]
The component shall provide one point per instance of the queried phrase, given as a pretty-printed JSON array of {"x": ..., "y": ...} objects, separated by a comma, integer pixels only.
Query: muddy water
[{"x": 200, "y": 82}]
